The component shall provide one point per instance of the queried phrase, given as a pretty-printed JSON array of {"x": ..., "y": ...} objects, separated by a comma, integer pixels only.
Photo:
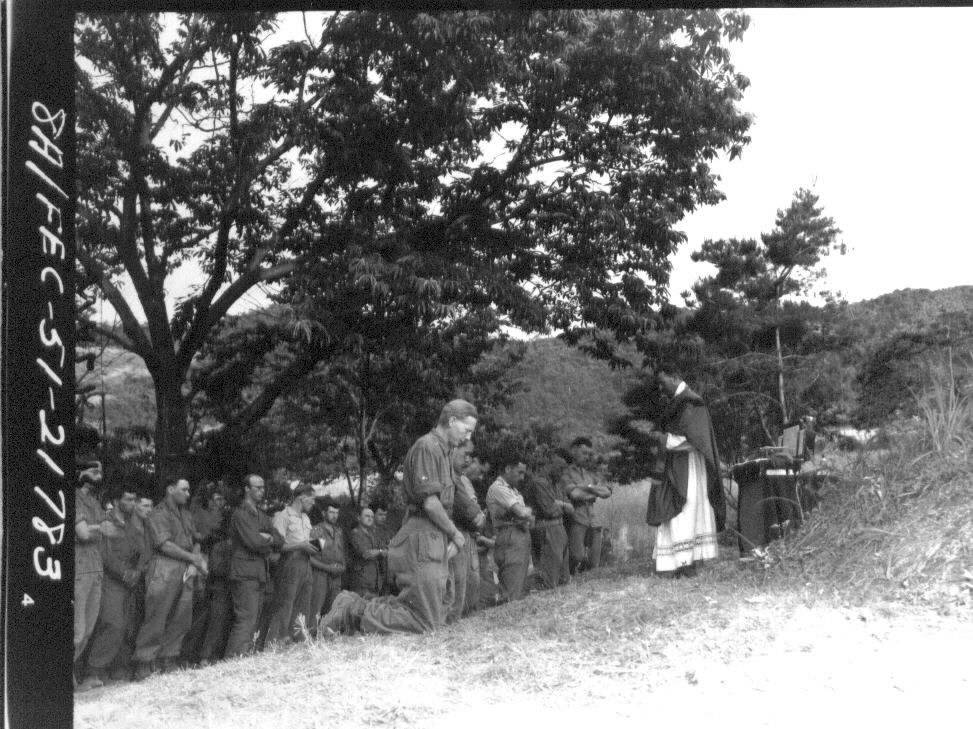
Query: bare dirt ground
[{"x": 731, "y": 647}]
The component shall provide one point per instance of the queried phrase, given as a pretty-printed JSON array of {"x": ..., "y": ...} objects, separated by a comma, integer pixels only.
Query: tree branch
[
  {"x": 302, "y": 365},
  {"x": 140, "y": 344}
]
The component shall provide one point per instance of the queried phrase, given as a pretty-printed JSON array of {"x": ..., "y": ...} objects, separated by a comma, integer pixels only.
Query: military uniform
[
  {"x": 512, "y": 549},
  {"x": 586, "y": 523},
  {"x": 122, "y": 586},
  {"x": 168, "y": 590},
  {"x": 417, "y": 554},
  {"x": 549, "y": 538},
  {"x": 218, "y": 602},
  {"x": 88, "y": 571},
  {"x": 292, "y": 585},
  {"x": 249, "y": 572},
  {"x": 327, "y": 569},
  {"x": 471, "y": 596},
  {"x": 366, "y": 578}
]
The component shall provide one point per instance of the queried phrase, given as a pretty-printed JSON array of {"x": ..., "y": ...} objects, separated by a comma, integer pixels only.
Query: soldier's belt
[{"x": 548, "y": 523}]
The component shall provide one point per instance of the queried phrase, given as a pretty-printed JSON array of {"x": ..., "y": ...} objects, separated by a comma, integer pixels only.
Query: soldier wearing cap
[
  {"x": 293, "y": 584},
  {"x": 420, "y": 552},
  {"x": 91, "y": 523}
]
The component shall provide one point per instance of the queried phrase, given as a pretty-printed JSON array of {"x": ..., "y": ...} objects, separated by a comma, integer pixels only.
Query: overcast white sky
[{"x": 873, "y": 109}]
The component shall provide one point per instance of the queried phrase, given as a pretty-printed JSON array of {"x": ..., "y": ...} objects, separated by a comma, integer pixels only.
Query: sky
[
  {"x": 870, "y": 108},
  {"x": 873, "y": 110}
]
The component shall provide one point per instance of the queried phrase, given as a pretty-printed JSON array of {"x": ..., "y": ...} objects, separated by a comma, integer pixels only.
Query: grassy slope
[{"x": 627, "y": 648}]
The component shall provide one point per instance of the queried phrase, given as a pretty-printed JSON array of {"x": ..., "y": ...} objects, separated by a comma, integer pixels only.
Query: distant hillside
[
  {"x": 875, "y": 320},
  {"x": 562, "y": 385},
  {"x": 566, "y": 387},
  {"x": 130, "y": 398}
]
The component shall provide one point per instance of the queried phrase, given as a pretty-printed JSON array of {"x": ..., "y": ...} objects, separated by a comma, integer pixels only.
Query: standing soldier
[
  {"x": 549, "y": 538},
  {"x": 582, "y": 487},
  {"x": 208, "y": 513},
  {"x": 474, "y": 468},
  {"x": 175, "y": 561},
  {"x": 466, "y": 563},
  {"x": 218, "y": 598},
  {"x": 512, "y": 519},
  {"x": 292, "y": 590},
  {"x": 384, "y": 534},
  {"x": 367, "y": 555},
  {"x": 329, "y": 565},
  {"x": 91, "y": 523},
  {"x": 254, "y": 538},
  {"x": 111, "y": 645},
  {"x": 420, "y": 552}
]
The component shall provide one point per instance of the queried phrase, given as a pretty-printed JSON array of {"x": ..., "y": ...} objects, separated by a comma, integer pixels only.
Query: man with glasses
[{"x": 254, "y": 538}]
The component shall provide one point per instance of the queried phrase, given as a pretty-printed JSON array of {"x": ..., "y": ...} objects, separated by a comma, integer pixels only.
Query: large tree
[{"x": 391, "y": 170}]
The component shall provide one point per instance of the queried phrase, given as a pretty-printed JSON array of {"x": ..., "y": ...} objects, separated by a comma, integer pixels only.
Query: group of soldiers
[
  {"x": 189, "y": 581},
  {"x": 164, "y": 585}
]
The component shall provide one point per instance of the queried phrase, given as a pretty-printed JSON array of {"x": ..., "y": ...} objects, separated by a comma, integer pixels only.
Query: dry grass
[
  {"x": 604, "y": 649},
  {"x": 896, "y": 522},
  {"x": 631, "y": 537}
]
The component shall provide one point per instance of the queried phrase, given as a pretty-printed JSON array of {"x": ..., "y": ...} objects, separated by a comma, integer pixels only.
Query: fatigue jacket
[
  {"x": 366, "y": 571},
  {"x": 332, "y": 549},
  {"x": 87, "y": 555},
  {"x": 584, "y": 512},
  {"x": 168, "y": 524},
  {"x": 250, "y": 550},
  {"x": 125, "y": 552}
]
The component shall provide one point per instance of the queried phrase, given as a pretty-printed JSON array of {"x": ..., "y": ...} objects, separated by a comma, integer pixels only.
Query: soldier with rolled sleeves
[
  {"x": 124, "y": 570},
  {"x": 175, "y": 561},
  {"x": 512, "y": 519},
  {"x": 328, "y": 565},
  {"x": 420, "y": 552},
  {"x": 581, "y": 484},
  {"x": 254, "y": 539},
  {"x": 91, "y": 524},
  {"x": 293, "y": 584}
]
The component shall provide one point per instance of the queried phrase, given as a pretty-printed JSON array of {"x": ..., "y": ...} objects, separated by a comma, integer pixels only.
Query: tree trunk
[
  {"x": 171, "y": 433},
  {"x": 362, "y": 457},
  {"x": 780, "y": 376}
]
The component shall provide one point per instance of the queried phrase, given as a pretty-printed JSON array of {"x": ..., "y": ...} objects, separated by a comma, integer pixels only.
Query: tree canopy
[{"x": 393, "y": 175}]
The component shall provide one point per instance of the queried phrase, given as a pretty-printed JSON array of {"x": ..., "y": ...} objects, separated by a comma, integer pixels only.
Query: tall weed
[{"x": 945, "y": 410}]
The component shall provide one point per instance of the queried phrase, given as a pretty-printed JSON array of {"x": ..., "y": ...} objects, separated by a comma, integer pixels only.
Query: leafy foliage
[{"x": 392, "y": 173}]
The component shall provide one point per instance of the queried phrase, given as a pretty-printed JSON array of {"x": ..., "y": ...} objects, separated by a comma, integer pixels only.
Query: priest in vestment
[{"x": 688, "y": 506}]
